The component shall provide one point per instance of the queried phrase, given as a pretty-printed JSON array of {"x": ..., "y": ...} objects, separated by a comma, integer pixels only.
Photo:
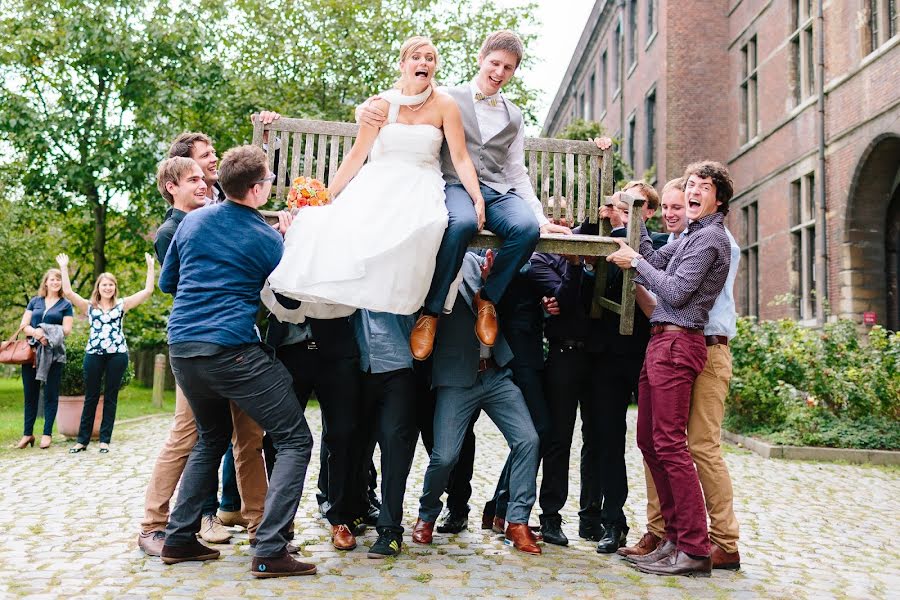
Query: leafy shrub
[
  {"x": 72, "y": 383},
  {"x": 830, "y": 387}
]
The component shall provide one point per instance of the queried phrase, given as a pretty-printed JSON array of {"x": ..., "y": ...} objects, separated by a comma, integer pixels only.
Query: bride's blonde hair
[{"x": 410, "y": 46}]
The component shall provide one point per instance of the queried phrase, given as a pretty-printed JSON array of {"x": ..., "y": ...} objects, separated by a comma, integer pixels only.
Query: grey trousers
[
  {"x": 259, "y": 384},
  {"x": 495, "y": 393}
]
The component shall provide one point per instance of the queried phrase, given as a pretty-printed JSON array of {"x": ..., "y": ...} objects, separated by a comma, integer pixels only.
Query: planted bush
[{"x": 834, "y": 386}]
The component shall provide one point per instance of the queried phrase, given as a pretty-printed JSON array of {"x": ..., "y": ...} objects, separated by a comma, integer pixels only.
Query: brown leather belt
[
  {"x": 714, "y": 340},
  {"x": 486, "y": 363},
  {"x": 660, "y": 327}
]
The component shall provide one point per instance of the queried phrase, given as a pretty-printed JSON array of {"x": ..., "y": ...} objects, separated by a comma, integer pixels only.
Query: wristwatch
[
  {"x": 635, "y": 261},
  {"x": 587, "y": 267}
]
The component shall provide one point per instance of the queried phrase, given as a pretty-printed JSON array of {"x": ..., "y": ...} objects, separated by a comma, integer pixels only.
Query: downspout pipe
[{"x": 821, "y": 226}]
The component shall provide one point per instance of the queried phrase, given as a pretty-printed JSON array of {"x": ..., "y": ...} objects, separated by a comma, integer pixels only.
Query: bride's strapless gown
[{"x": 374, "y": 247}]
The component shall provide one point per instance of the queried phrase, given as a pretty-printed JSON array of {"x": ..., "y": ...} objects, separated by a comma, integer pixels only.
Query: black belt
[
  {"x": 568, "y": 344},
  {"x": 486, "y": 363}
]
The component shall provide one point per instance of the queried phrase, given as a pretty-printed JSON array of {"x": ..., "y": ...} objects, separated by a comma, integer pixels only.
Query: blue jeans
[
  {"x": 506, "y": 215},
  {"x": 231, "y": 498},
  {"x": 260, "y": 385},
  {"x": 32, "y": 389},
  {"x": 99, "y": 367},
  {"x": 495, "y": 393}
]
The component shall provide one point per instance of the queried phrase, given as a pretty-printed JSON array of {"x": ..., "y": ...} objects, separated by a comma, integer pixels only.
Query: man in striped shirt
[{"x": 686, "y": 276}]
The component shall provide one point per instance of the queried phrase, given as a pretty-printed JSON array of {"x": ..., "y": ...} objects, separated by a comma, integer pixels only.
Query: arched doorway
[
  {"x": 892, "y": 262},
  {"x": 870, "y": 277}
]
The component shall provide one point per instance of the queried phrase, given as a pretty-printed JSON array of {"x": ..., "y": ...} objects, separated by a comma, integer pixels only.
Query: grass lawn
[{"x": 134, "y": 401}]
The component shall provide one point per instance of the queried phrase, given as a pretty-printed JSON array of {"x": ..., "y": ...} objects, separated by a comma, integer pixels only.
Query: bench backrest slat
[{"x": 556, "y": 168}]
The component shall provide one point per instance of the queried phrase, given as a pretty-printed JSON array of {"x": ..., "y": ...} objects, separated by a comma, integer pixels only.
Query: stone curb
[{"x": 849, "y": 455}]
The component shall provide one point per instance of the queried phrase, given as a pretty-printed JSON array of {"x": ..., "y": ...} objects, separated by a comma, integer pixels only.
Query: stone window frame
[
  {"x": 749, "y": 90},
  {"x": 750, "y": 258},
  {"x": 879, "y": 23},
  {"x": 632, "y": 47},
  {"x": 652, "y": 10},
  {"x": 651, "y": 128},
  {"x": 801, "y": 41},
  {"x": 616, "y": 45},
  {"x": 604, "y": 81},
  {"x": 631, "y": 148},
  {"x": 803, "y": 246}
]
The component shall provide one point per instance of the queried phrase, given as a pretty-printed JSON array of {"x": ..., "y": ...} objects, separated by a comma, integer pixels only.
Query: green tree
[
  {"x": 90, "y": 90},
  {"x": 579, "y": 129}
]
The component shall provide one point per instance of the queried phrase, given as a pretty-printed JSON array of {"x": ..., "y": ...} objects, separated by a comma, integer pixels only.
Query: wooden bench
[{"x": 575, "y": 170}]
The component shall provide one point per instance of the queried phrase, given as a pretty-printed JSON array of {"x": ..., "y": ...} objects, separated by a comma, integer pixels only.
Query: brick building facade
[{"x": 738, "y": 81}]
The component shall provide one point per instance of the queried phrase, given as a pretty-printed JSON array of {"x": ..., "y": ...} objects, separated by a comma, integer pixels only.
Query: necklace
[{"x": 424, "y": 102}]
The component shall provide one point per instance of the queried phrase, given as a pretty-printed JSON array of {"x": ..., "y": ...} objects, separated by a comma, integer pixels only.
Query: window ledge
[
  {"x": 631, "y": 69},
  {"x": 651, "y": 39},
  {"x": 617, "y": 93}
]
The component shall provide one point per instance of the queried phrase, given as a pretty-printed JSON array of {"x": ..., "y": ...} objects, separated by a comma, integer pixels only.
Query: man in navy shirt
[{"x": 217, "y": 356}]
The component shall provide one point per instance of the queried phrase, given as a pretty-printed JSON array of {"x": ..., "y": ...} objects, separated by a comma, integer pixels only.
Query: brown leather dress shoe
[
  {"x": 342, "y": 538},
  {"x": 730, "y": 561},
  {"x": 280, "y": 566},
  {"x": 649, "y": 542},
  {"x": 151, "y": 543},
  {"x": 485, "y": 321},
  {"x": 679, "y": 563},
  {"x": 423, "y": 532},
  {"x": 421, "y": 340},
  {"x": 498, "y": 526},
  {"x": 522, "y": 538},
  {"x": 663, "y": 550}
]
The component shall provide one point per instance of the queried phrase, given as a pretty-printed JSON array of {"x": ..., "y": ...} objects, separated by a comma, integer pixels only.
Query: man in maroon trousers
[{"x": 686, "y": 276}]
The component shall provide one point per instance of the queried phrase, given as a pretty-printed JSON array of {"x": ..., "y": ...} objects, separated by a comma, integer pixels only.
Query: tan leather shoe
[
  {"x": 423, "y": 532},
  {"x": 648, "y": 543},
  {"x": 232, "y": 518},
  {"x": 679, "y": 563},
  {"x": 212, "y": 530},
  {"x": 730, "y": 561},
  {"x": 522, "y": 538},
  {"x": 485, "y": 321},
  {"x": 151, "y": 543},
  {"x": 342, "y": 538},
  {"x": 498, "y": 526},
  {"x": 421, "y": 340}
]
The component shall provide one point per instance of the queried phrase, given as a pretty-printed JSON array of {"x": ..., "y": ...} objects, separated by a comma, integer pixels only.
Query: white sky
[{"x": 563, "y": 21}]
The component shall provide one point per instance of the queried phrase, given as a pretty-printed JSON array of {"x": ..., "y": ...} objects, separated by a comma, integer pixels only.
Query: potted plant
[{"x": 71, "y": 387}]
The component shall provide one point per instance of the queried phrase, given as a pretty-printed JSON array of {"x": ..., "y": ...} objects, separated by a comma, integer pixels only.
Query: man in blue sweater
[{"x": 217, "y": 356}]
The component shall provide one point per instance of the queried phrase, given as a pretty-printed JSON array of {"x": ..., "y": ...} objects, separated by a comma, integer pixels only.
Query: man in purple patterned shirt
[{"x": 687, "y": 276}]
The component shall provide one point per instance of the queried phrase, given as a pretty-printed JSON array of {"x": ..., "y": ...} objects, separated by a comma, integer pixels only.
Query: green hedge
[
  {"x": 72, "y": 383},
  {"x": 835, "y": 386}
]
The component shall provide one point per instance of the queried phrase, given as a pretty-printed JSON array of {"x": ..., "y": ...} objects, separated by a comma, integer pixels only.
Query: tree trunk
[{"x": 99, "y": 210}]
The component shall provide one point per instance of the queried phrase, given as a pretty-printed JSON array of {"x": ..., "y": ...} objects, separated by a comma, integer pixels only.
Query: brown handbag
[{"x": 15, "y": 351}]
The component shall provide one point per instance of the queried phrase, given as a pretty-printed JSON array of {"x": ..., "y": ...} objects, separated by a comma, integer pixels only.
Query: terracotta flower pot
[{"x": 68, "y": 417}]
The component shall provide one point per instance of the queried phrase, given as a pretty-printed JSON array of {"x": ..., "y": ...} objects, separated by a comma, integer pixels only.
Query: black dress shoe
[
  {"x": 613, "y": 539},
  {"x": 590, "y": 529},
  {"x": 551, "y": 530},
  {"x": 453, "y": 522}
]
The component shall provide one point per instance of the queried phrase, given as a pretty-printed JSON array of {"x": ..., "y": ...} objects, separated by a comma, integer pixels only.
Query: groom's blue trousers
[{"x": 506, "y": 215}]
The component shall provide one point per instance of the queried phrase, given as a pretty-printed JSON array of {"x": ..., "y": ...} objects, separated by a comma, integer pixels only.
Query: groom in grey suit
[{"x": 468, "y": 376}]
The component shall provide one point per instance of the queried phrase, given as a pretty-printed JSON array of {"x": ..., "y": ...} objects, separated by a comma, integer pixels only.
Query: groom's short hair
[
  {"x": 241, "y": 168},
  {"x": 503, "y": 40}
]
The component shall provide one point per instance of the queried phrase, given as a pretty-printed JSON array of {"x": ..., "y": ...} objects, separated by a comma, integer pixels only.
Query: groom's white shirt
[{"x": 491, "y": 120}]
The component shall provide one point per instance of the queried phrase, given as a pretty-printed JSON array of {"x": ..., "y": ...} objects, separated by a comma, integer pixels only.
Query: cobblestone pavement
[{"x": 809, "y": 530}]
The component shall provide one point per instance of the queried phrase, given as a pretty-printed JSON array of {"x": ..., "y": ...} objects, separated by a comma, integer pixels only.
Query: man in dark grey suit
[{"x": 469, "y": 376}]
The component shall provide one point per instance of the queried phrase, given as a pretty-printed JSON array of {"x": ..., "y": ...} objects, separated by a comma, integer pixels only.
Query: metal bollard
[{"x": 159, "y": 379}]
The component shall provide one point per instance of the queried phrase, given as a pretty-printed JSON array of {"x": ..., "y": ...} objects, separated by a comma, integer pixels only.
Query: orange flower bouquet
[{"x": 306, "y": 191}]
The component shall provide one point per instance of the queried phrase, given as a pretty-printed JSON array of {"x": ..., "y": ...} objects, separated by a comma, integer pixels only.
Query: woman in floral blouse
[{"x": 106, "y": 354}]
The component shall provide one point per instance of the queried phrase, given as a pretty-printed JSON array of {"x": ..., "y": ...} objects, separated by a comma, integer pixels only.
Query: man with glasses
[{"x": 217, "y": 357}]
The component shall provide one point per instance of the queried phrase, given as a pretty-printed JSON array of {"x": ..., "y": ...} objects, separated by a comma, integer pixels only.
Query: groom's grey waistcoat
[{"x": 489, "y": 157}]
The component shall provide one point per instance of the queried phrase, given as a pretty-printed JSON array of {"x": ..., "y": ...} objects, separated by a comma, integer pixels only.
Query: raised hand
[
  {"x": 62, "y": 260},
  {"x": 148, "y": 258}
]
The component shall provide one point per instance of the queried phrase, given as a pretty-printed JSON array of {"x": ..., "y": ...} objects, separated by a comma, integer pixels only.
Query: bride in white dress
[{"x": 374, "y": 247}]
